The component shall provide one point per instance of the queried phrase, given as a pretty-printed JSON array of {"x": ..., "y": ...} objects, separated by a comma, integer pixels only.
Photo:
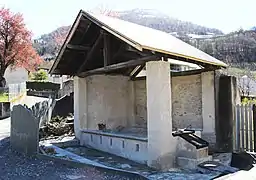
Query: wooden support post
[
  {"x": 90, "y": 53},
  {"x": 137, "y": 71},
  {"x": 106, "y": 49},
  {"x": 254, "y": 126}
]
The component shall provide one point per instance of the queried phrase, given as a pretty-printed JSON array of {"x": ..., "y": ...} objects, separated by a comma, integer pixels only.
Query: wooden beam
[
  {"x": 134, "y": 62},
  {"x": 137, "y": 71},
  {"x": 90, "y": 53},
  {"x": 119, "y": 51},
  {"x": 78, "y": 47},
  {"x": 85, "y": 32},
  {"x": 106, "y": 49}
]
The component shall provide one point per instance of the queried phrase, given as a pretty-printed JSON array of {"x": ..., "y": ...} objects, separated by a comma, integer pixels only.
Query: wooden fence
[{"x": 245, "y": 124}]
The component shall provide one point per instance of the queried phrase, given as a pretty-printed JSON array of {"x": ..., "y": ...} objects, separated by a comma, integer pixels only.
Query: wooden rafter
[
  {"x": 122, "y": 65},
  {"x": 90, "y": 53},
  {"x": 137, "y": 71},
  {"x": 77, "y": 47},
  {"x": 85, "y": 32},
  {"x": 106, "y": 49},
  {"x": 119, "y": 51}
]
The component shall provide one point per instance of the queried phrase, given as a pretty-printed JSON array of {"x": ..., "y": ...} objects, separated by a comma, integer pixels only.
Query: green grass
[{"x": 4, "y": 97}]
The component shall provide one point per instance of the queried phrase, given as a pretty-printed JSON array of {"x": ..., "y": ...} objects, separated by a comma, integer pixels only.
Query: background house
[{"x": 15, "y": 76}]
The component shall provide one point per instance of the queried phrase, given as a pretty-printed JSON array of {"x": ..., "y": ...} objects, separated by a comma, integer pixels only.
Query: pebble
[{"x": 14, "y": 166}]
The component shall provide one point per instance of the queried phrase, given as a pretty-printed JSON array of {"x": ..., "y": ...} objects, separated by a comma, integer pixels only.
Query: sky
[{"x": 44, "y": 16}]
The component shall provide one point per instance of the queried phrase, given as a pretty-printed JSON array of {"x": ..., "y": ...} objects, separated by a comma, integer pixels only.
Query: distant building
[
  {"x": 46, "y": 65},
  {"x": 16, "y": 76}
]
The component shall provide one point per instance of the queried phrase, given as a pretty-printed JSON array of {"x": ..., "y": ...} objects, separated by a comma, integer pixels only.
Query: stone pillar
[
  {"x": 208, "y": 107},
  {"x": 80, "y": 105},
  {"x": 226, "y": 111},
  {"x": 161, "y": 143}
]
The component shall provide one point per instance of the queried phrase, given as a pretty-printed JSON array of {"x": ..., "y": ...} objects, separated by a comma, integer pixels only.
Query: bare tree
[{"x": 102, "y": 9}]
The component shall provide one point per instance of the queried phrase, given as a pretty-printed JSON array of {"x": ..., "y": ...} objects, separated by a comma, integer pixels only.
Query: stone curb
[{"x": 76, "y": 164}]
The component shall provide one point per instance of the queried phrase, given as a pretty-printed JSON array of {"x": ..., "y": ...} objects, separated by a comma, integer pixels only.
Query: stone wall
[
  {"x": 117, "y": 101},
  {"x": 24, "y": 130},
  {"x": 186, "y": 101},
  {"x": 107, "y": 98},
  {"x": 140, "y": 103}
]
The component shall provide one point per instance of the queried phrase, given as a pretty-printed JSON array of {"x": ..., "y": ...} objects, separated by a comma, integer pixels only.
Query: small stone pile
[{"x": 58, "y": 126}]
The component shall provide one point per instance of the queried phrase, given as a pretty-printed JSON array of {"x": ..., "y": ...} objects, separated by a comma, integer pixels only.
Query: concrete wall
[
  {"x": 107, "y": 98},
  {"x": 124, "y": 146}
]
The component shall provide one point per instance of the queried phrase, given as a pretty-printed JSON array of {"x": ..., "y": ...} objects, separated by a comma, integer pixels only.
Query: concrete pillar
[
  {"x": 80, "y": 105},
  {"x": 161, "y": 143},
  {"x": 208, "y": 107}
]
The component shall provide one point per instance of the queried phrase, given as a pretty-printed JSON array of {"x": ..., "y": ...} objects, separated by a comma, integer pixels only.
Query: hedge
[{"x": 42, "y": 86}]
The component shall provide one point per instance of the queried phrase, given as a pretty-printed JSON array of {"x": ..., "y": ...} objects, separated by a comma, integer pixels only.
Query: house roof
[{"x": 141, "y": 38}]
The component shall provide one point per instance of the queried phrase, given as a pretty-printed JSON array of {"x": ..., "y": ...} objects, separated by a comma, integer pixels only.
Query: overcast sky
[{"x": 43, "y": 16}]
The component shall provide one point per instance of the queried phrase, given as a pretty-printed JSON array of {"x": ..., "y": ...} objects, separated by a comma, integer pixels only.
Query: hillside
[
  {"x": 160, "y": 21},
  {"x": 48, "y": 44},
  {"x": 237, "y": 48}
]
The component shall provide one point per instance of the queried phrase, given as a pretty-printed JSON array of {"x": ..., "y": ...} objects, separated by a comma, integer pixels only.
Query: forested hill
[{"x": 236, "y": 48}]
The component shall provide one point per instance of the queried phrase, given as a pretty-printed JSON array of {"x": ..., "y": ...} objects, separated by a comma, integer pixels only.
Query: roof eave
[{"x": 63, "y": 47}]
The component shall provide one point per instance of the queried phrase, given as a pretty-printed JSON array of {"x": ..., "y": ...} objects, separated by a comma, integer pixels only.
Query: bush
[
  {"x": 40, "y": 75},
  {"x": 42, "y": 86},
  {"x": 248, "y": 101}
]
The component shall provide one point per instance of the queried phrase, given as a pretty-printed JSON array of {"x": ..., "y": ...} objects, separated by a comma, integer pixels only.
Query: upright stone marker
[{"x": 24, "y": 131}]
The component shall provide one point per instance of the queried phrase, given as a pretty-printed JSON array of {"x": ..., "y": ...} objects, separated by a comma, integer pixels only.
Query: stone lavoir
[{"x": 128, "y": 102}]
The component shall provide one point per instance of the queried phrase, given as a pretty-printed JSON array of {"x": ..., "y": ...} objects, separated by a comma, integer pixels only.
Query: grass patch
[{"x": 4, "y": 97}]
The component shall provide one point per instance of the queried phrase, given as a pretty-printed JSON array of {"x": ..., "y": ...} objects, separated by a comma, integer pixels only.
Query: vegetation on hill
[
  {"x": 48, "y": 44},
  {"x": 237, "y": 48}
]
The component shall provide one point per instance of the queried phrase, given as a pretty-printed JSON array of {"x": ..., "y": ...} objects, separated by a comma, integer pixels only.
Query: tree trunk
[
  {"x": 2, "y": 78},
  {"x": 2, "y": 81}
]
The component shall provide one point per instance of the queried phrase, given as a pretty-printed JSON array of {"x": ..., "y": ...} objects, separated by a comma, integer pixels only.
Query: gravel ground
[{"x": 15, "y": 166}]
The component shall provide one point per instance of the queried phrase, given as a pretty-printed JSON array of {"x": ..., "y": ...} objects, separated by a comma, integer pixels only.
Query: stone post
[
  {"x": 208, "y": 107},
  {"x": 80, "y": 105},
  {"x": 161, "y": 143}
]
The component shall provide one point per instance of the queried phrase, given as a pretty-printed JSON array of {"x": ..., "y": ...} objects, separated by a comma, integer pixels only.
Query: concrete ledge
[
  {"x": 115, "y": 135},
  {"x": 77, "y": 164}
]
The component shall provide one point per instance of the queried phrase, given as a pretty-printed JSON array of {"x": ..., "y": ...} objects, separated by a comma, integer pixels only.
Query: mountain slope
[
  {"x": 160, "y": 21},
  {"x": 236, "y": 48},
  {"x": 48, "y": 44}
]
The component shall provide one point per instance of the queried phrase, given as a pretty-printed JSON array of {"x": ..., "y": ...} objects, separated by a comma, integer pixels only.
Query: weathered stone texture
[
  {"x": 107, "y": 101},
  {"x": 187, "y": 101},
  {"x": 24, "y": 130},
  {"x": 141, "y": 103}
]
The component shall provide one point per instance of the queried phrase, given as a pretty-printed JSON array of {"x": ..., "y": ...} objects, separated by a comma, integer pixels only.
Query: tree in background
[
  {"x": 16, "y": 48},
  {"x": 40, "y": 75},
  {"x": 104, "y": 10}
]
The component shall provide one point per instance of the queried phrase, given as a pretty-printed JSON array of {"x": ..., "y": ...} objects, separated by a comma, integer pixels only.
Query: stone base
[{"x": 188, "y": 163}]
